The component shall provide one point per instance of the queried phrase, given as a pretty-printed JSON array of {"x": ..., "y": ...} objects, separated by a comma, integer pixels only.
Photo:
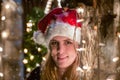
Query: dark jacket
[{"x": 35, "y": 74}]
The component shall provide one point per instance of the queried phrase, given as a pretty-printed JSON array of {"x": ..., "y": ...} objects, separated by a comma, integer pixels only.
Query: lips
[{"x": 62, "y": 59}]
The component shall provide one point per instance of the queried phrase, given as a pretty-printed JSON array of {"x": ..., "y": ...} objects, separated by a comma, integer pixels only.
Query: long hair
[{"x": 49, "y": 70}]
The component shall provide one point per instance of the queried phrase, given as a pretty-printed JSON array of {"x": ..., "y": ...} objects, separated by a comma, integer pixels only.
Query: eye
[
  {"x": 53, "y": 44},
  {"x": 68, "y": 42}
]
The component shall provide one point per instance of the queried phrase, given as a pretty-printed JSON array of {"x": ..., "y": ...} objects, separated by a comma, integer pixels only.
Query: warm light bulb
[
  {"x": 115, "y": 59},
  {"x": 48, "y": 6},
  {"x": 101, "y": 44},
  {"x": 80, "y": 20},
  {"x": 25, "y": 50},
  {"x": 7, "y": 6},
  {"x": 25, "y": 61},
  {"x": 86, "y": 67},
  {"x": 46, "y": 11},
  {"x": 1, "y": 74},
  {"x": 109, "y": 79},
  {"x": 83, "y": 41},
  {"x": 95, "y": 27},
  {"x": 29, "y": 24},
  {"x": 81, "y": 49},
  {"x": 39, "y": 49},
  {"x": 28, "y": 69},
  {"x": 4, "y": 34},
  {"x": 3, "y": 18},
  {"x": 30, "y": 20},
  {"x": 1, "y": 49},
  {"x": 118, "y": 34},
  {"x": 49, "y": 2},
  {"x": 79, "y": 69},
  {"x": 37, "y": 65},
  {"x": 44, "y": 59},
  {"x": 31, "y": 57},
  {"x": 28, "y": 29},
  {"x": 59, "y": 3},
  {"x": 80, "y": 10}
]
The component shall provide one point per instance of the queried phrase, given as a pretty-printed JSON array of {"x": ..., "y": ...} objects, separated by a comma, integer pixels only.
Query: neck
[{"x": 61, "y": 73}]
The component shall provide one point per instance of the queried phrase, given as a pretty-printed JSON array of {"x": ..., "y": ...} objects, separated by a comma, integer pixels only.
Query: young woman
[
  {"x": 61, "y": 33},
  {"x": 62, "y": 61}
]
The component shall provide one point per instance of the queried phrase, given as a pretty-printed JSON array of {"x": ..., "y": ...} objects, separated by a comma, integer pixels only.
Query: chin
[{"x": 63, "y": 66}]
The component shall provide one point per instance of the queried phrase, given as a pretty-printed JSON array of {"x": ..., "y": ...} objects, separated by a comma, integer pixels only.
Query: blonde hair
[{"x": 49, "y": 70}]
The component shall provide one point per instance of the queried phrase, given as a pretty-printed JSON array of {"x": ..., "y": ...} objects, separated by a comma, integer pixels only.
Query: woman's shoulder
[{"x": 34, "y": 75}]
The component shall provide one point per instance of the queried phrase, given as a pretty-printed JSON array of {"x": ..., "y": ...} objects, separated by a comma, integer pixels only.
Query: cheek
[
  {"x": 72, "y": 52},
  {"x": 54, "y": 54},
  {"x": 53, "y": 51}
]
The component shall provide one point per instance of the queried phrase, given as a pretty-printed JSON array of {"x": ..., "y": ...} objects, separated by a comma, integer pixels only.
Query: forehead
[{"x": 61, "y": 38}]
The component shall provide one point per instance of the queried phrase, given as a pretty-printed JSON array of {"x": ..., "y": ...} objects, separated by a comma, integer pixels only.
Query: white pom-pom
[{"x": 39, "y": 38}]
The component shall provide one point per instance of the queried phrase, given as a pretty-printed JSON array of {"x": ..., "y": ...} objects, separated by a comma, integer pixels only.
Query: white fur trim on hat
[
  {"x": 39, "y": 38},
  {"x": 58, "y": 29}
]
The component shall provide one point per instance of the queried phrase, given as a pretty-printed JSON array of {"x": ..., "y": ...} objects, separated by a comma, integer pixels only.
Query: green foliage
[{"x": 33, "y": 17}]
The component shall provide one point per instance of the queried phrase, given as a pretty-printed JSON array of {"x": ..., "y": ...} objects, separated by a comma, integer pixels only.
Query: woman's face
[{"x": 63, "y": 51}]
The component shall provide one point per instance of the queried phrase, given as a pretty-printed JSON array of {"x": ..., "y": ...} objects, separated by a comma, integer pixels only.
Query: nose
[{"x": 61, "y": 48}]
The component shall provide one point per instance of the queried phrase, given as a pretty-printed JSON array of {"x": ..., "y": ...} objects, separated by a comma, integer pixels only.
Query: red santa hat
[{"x": 58, "y": 23}]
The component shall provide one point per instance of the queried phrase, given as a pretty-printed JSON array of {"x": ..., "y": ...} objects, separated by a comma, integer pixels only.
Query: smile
[{"x": 62, "y": 59}]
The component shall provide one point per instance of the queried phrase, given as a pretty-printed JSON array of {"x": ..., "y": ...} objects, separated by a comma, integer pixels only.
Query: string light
[
  {"x": 101, "y": 44},
  {"x": 48, "y": 6},
  {"x": 80, "y": 20},
  {"x": 25, "y": 61},
  {"x": 83, "y": 41},
  {"x": 49, "y": 2},
  {"x": 31, "y": 57},
  {"x": 109, "y": 79},
  {"x": 4, "y": 34},
  {"x": 7, "y": 6},
  {"x": 44, "y": 59},
  {"x": 80, "y": 10},
  {"x": 86, "y": 67},
  {"x": 118, "y": 34},
  {"x": 3, "y": 18},
  {"x": 1, "y": 74},
  {"x": 25, "y": 50},
  {"x": 37, "y": 64},
  {"x": 115, "y": 59},
  {"x": 81, "y": 49},
  {"x": 30, "y": 21},
  {"x": 29, "y": 69},
  {"x": 29, "y": 24},
  {"x": 95, "y": 28},
  {"x": 28, "y": 29},
  {"x": 1, "y": 49},
  {"x": 59, "y": 3},
  {"x": 79, "y": 69},
  {"x": 39, "y": 49}
]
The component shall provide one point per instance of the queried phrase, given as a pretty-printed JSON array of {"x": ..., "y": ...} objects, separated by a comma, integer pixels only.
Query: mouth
[{"x": 62, "y": 59}]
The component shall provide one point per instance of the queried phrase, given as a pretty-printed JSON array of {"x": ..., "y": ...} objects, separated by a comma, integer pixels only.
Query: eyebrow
[
  {"x": 53, "y": 40},
  {"x": 63, "y": 40}
]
